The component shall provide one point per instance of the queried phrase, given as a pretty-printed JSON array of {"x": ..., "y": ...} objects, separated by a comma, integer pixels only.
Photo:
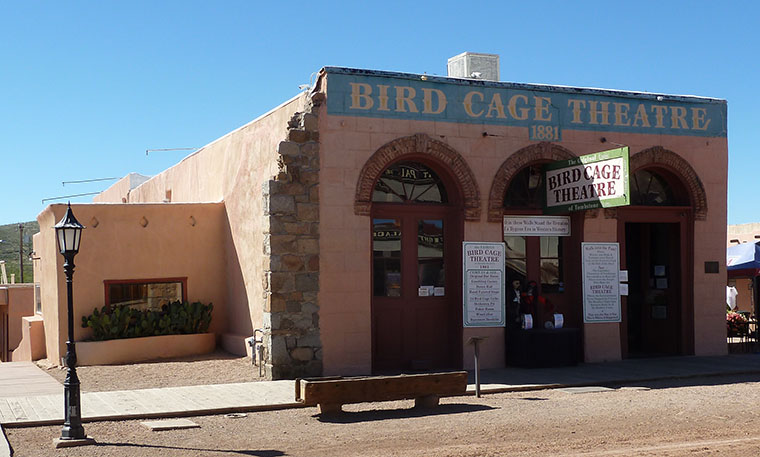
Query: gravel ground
[
  {"x": 696, "y": 417},
  {"x": 215, "y": 368}
]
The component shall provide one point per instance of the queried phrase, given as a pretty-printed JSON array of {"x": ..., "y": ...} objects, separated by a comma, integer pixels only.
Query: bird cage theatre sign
[{"x": 598, "y": 180}]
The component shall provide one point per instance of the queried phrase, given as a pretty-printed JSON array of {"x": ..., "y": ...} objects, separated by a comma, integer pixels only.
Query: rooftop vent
[{"x": 474, "y": 65}]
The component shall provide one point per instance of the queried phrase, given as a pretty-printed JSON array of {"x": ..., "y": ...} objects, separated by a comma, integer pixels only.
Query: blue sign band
[{"x": 545, "y": 110}]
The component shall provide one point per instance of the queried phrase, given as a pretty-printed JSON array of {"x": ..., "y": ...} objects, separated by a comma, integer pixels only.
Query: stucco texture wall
[
  {"x": 119, "y": 191},
  {"x": 744, "y": 299},
  {"x": 710, "y": 160},
  {"x": 345, "y": 290},
  {"x": 233, "y": 169},
  {"x": 743, "y": 233},
  {"x": 123, "y": 242},
  {"x": 115, "y": 193},
  {"x": 46, "y": 273},
  {"x": 20, "y": 304}
]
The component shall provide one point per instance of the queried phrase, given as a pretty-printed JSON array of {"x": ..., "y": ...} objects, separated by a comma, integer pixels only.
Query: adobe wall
[
  {"x": 20, "y": 304},
  {"x": 233, "y": 169},
  {"x": 744, "y": 299},
  {"x": 119, "y": 191},
  {"x": 46, "y": 273},
  {"x": 345, "y": 278},
  {"x": 265, "y": 173},
  {"x": 32, "y": 344},
  {"x": 137, "y": 241},
  {"x": 743, "y": 233}
]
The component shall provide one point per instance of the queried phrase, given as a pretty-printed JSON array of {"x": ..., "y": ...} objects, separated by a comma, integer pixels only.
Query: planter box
[{"x": 128, "y": 350}]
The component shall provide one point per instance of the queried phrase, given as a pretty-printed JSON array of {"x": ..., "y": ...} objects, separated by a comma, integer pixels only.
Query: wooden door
[
  {"x": 654, "y": 300},
  {"x": 656, "y": 249},
  {"x": 416, "y": 303}
]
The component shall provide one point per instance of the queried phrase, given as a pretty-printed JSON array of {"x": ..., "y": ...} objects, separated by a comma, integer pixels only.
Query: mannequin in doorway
[
  {"x": 514, "y": 304},
  {"x": 541, "y": 308}
]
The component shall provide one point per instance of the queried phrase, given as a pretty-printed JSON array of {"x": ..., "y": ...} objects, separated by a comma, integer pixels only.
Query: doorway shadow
[
  {"x": 706, "y": 380},
  {"x": 351, "y": 417}
]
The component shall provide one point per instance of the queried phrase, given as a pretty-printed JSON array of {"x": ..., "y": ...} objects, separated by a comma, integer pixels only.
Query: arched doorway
[
  {"x": 417, "y": 225},
  {"x": 550, "y": 261},
  {"x": 656, "y": 233}
]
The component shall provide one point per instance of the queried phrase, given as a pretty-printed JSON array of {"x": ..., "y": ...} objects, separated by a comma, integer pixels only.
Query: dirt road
[{"x": 697, "y": 417}]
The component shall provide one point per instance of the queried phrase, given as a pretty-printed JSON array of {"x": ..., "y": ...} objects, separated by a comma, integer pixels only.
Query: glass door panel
[
  {"x": 516, "y": 258},
  {"x": 386, "y": 257},
  {"x": 430, "y": 250},
  {"x": 551, "y": 265}
]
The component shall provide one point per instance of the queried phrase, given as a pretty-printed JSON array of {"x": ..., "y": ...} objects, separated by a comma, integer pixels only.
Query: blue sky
[{"x": 87, "y": 87}]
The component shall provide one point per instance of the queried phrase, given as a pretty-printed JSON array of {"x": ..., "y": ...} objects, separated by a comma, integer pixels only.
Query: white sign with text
[
  {"x": 536, "y": 225},
  {"x": 601, "y": 282},
  {"x": 483, "y": 284}
]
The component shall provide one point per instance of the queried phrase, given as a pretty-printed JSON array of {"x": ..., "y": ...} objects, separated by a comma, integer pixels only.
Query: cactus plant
[{"x": 125, "y": 322}]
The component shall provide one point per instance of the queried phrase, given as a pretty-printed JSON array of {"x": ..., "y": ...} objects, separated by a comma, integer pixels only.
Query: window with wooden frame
[
  {"x": 37, "y": 298},
  {"x": 653, "y": 187},
  {"x": 145, "y": 293},
  {"x": 539, "y": 258}
]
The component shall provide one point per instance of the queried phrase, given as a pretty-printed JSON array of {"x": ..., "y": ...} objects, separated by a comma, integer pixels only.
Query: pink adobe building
[{"x": 335, "y": 223}]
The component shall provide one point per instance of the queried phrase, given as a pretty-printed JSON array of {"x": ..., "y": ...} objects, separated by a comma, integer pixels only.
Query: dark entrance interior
[
  {"x": 551, "y": 261},
  {"x": 654, "y": 311}
]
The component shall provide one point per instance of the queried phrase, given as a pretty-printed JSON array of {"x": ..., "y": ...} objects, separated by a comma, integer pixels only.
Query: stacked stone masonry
[{"x": 291, "y": 313}]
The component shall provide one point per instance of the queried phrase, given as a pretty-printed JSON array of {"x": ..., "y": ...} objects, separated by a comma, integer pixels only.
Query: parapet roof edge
[
  {"x": 197, "y": 151},
  {"x": 524, "y": 86},
  {"x": 135, "y": 204}
]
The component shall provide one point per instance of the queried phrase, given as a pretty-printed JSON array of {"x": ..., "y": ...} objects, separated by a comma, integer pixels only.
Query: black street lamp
[{"x": 68, "y": 232}]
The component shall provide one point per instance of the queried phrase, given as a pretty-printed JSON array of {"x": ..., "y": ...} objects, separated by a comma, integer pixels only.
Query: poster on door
[
  {"x": 483, "y": 284},
  {"x": 601, "y": 282}
]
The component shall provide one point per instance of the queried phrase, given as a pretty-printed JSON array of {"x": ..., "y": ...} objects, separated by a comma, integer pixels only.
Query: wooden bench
[{"x": 329, "y": 394}]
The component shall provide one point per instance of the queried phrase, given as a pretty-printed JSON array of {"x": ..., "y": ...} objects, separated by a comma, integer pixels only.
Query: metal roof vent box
[{"x": 475, "y": 66}]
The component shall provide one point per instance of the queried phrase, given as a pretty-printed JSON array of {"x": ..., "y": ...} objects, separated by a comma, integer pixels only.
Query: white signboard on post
[
  {"x": 483, "y": 284},
  {"x": 601, "y": 282}
]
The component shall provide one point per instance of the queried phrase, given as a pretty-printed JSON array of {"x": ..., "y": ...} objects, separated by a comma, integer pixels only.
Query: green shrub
[{"x": 176, "y": 318}]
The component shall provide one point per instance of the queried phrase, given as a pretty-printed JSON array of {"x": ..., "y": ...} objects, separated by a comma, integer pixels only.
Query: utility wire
[
  {"x": 68, "y": 196},
  {"x": 170, "y": 149},
  {"x": 88, "y": 180}
]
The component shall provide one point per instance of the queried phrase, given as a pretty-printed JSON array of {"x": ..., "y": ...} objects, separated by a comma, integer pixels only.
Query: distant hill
[{"x": 9, "y": 249}]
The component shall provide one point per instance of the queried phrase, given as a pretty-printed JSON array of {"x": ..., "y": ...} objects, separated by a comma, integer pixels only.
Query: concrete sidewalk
[
  {"x": 47, "y": 408},
  {"x": 151, "y": 403},
  {"x": 24, "y": 379},
  {"x": 612, "y": 373}
]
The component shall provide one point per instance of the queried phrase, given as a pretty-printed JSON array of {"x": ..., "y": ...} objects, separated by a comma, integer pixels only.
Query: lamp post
[{"x": 69, "y": 232}]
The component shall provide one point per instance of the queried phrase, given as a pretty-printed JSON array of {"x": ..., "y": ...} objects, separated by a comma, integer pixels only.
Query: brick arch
[
  {"x": 419, "y": 144},
  {"x": 509, "y": 168},
  {"x": 658, "y": 156}
]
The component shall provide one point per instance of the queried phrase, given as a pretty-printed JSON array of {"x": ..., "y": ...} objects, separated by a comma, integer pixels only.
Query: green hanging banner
[{"x": 599, "y": 180}]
